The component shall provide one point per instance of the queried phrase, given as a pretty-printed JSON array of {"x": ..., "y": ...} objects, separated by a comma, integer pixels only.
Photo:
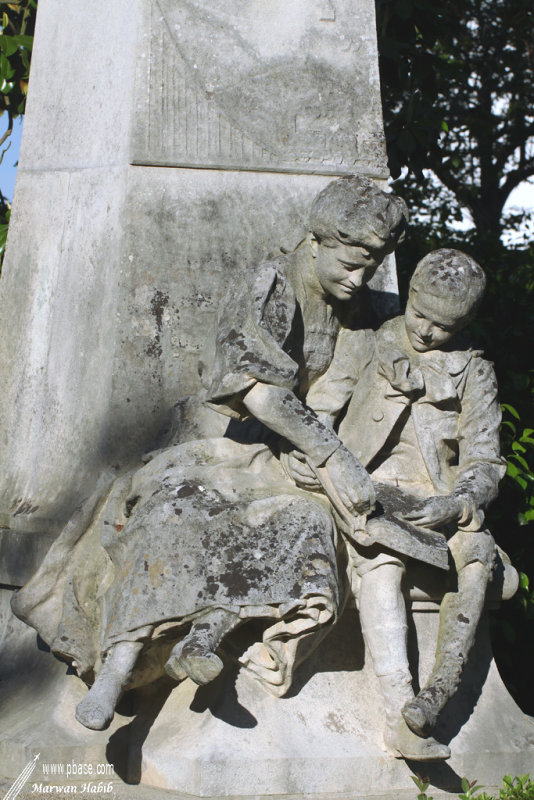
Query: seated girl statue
[
  {"x": 422, "y": 417},
  {"x": 212, "y": 532}
]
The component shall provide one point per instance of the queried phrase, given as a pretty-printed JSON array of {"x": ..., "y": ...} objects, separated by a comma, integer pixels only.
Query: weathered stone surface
[
  {"x": 79, "y": 108},
  {"x": 423, "y": 417},
  {"x": 212, "y": 533},
  {"x": 289, "y": 86},
  {"x": 228, "y": 740},
  {"x": 60, "y": 297},
  {"x": 85, "y": 303},
  {"x": 109, "y": 304}
]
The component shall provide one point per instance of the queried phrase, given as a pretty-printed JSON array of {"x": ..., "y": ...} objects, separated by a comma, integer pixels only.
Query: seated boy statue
[{"x": 422, "y": 416}]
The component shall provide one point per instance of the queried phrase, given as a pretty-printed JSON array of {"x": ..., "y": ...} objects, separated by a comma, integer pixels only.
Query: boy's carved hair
[{"x": 452, "y": 275}]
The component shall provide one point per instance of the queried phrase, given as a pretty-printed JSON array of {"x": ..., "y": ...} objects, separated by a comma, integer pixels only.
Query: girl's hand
[
  {"x": 296, "y": 466},
  {"x": 351, "y": 481}
]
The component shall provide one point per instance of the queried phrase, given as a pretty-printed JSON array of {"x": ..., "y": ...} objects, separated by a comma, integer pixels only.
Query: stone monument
[{"x": 187, "y": 144}]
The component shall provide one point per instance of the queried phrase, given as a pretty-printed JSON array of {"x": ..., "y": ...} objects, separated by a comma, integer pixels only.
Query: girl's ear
[{"x": 314, "y": 244}]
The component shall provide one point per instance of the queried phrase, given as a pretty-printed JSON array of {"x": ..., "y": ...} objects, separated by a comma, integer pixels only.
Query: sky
[{"x": 8, "y": 169}]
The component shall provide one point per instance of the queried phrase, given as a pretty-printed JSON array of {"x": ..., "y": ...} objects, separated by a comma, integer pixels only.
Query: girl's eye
[{"x": 343, "y": 235}]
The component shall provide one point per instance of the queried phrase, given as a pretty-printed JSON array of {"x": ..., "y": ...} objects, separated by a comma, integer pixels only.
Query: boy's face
[
  {"x": 430, "y": 321},
  {"x": 342, "y": 269}
]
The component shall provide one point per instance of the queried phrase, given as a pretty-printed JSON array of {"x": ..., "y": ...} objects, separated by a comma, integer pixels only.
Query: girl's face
[
  {"x": 430, "y": 321},
  {"x": 342, "y": 269}
]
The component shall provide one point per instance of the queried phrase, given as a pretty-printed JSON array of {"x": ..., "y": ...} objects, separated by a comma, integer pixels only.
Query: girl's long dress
[{"x": 211, "y": 523}]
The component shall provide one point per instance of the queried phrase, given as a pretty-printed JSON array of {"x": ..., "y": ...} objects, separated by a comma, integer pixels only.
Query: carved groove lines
[
  {"x": 182, "y": 120},
  {"x": 182, "y": 125}
]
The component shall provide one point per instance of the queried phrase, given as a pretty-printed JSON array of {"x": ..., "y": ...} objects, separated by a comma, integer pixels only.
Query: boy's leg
[
  {"x": 195, "y": 655},
  {"x": 460, "y": 611},
  {"x": 385, "y": 628},
  {"x": 98, "y": 706}
]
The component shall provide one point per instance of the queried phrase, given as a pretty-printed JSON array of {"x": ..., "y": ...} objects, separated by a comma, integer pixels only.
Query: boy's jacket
[{"x": 453, "y": 397}]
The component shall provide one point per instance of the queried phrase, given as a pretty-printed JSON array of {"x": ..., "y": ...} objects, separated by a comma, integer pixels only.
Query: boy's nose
[{"x": 425, "y": 331}]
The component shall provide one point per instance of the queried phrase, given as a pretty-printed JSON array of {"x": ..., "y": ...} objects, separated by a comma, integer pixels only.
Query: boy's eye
[{"x": 342, "y": 235}]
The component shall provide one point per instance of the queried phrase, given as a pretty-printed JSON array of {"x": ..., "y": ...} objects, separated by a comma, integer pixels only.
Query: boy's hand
[{"x": 437, "y": 511}]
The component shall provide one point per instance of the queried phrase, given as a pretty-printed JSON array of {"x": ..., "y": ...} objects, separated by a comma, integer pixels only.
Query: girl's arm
[{"x": 281, "y": 411}]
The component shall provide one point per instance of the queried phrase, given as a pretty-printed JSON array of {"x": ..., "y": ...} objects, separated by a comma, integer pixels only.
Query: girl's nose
[{"x": 356, "y": 278}]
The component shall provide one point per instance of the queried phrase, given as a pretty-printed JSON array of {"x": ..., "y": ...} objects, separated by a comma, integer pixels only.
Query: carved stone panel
[{"x": 270, "y": 85}]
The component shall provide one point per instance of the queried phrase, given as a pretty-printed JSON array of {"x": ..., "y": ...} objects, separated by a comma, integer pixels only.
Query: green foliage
[
  {"x": 458, "y": 92},
  {"x": 458, "y": 100},
  {"x": 469, "y": 789},
  {"x": 518, "y": 444},
  {"x": 5, "y": 213},
  {"x": 16, "y": 41},
  {"x": 521, "y": 788},
  {"x": 422, "y": 784}
]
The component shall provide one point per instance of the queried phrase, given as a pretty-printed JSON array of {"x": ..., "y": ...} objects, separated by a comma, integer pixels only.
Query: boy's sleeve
[
  {"x": 481, "y": 466},
  {"x": 332, "y": 391}
]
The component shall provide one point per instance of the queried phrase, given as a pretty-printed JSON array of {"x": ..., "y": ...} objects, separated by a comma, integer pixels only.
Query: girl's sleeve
[{"x": 252, "y": 338}]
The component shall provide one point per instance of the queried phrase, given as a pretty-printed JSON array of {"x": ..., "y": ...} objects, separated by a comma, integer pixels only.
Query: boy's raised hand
[{"x": 437, "y": 511}]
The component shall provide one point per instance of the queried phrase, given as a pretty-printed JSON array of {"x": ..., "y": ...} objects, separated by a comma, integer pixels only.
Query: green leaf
[
  {"x": 511, "y": 410},
  {"x": 23, "y": 41},
  {"x": 520, "y": 460},
  {"x": 518, "y": 448},
  {"x": 8, "y": 45},
  {"x": 6, "y": 87},
  {"x": 507, "y": 424}
]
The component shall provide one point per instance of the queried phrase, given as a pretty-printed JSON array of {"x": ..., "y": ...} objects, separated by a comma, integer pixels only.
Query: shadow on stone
[
  {"x": 461, "y": 705},
  {"x": 439, "y": 774},
  {"x": 342, "y": 650},
  {"x": 385, "y": 304},
  {"x": 413, "y": 652},
  {"x": 125, "y": 746},
  {"x": 220, "y": 698}
]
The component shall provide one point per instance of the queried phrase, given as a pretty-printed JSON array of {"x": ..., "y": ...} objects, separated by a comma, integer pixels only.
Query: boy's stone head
[
  {"x": 355, "y": 225},
  {"x": 445, "y": 291}
]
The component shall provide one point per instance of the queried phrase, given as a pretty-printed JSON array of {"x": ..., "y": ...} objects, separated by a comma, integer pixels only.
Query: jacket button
[{"x": 378, "y": 415}]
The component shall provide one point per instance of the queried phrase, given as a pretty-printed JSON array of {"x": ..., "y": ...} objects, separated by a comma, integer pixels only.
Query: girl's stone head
[{"x": 354, "y": 225}]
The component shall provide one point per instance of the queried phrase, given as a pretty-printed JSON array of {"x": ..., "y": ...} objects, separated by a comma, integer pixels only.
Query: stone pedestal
[{"x": 233, "y": 739}]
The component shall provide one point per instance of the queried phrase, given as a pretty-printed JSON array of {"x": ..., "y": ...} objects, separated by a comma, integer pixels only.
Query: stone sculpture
[
  {"x": 422, "y": 417},
  {"x": 213, "y": 532}
]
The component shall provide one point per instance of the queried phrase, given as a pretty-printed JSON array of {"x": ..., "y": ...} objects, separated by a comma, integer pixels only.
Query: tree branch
[{"x": 517, "y": 176}]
